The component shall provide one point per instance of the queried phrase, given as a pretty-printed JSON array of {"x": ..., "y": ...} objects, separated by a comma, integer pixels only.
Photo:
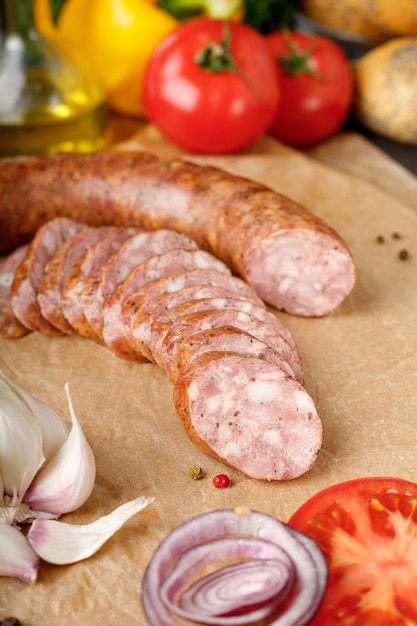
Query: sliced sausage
[
  {"x": 87, "y": 267},
  {"x": 175, "y": 282},
  {"x": 10, "y": 326},
  {"x": 135, "y": 250},
  {"x": 294, "y": 260},
  {"x": 249, "y": 414},
  {"x": 152, "y": 308},
  {"x": 198, "y": 298},
  {"x": 167, "y": 336},
  {"x": 57, "y": 270},
  {"x": 30, "y": 273},
  {"x": 223, "y": 339},
  {"x": 176, "y": 260}
]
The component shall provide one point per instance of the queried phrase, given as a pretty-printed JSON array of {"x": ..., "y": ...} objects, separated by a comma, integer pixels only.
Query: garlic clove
[
  {"x": 20, "y": 445},
  {"x": 67, "y": 480},
  {"x": 61, "y": 543},
  {"x": 53, "y": 429},
  {"x": 17, "y": 558}
]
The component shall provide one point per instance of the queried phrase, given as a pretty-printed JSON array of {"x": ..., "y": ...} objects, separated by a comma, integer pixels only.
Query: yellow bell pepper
[{"x": 112, "y": 38}]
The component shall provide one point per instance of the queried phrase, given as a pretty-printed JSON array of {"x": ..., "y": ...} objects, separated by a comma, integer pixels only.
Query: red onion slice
[
  {"x": 251, "y": 588},
  {"x": 236, "y": 589},
  {"x": 234, "y": 567}
]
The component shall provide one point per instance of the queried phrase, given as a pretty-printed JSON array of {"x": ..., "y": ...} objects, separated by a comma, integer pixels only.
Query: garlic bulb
[{"x": 45, "y": 472}]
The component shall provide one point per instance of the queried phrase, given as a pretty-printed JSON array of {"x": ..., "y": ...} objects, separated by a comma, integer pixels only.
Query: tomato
[
  {"x": 317, "y": 87},
  {"x": 367, "y": 530},
  {"x": 212, "y": 86}
]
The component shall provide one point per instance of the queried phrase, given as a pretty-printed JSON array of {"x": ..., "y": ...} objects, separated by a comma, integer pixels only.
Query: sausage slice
[
  {"x": 57, "y": 270},
  {"x": 87, "y": 267},
  {"x": 30, "y": 273},
  {"x": 249, "y": 414},
  {"x": 10, "y": 326}
]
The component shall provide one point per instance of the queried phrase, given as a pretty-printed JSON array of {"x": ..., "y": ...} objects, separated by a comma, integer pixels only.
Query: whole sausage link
[{"x": 293, "y": 260}]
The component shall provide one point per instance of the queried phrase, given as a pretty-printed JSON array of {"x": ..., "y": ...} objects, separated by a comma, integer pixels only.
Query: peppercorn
[
  {"x": 196, "y": 472},
  {"x": 221, "y": 481}
]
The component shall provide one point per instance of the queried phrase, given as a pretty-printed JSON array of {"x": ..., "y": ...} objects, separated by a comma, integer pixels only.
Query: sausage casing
[{"x": 293, "y": 260}]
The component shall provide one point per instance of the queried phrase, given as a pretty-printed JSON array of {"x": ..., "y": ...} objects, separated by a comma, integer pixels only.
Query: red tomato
[
  {"x": 218, "y": 110},
  {"x": 316, "y": 84},
  {"x": 367, "y": 530}
]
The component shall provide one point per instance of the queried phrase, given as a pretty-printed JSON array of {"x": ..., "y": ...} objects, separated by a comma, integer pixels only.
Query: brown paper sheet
[
  {"x": 352, "y": 153},
  {"x": 361, "y": 369}
]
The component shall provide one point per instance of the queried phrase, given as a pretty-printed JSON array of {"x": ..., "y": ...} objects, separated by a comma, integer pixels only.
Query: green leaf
[
  {"x": 56, "y": 6},
  {"x": 182, "y": 9},
  {"x": 269, "y": 15}
]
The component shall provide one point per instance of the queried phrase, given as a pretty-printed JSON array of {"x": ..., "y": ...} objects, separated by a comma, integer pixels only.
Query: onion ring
[{"x": 231, "y": 568}]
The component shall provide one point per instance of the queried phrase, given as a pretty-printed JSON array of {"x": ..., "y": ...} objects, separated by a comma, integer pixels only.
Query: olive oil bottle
[{"x": 47, "y": 104}]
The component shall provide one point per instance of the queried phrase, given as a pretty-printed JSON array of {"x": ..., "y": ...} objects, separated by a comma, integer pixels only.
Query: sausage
[
  {"x": 29, "y": 275},
  {"x": 87, "y": 267},
  {"x": 151, "y": 308},
  {"x": 167, "y": 335},
  {"x": 249, "y": 414},
  {"x": 245, "y": 306},
  {"x": 175, "y": 282},
  {"x": 175, "y": 260},
  {"x": 294, "y": 260},
  {"x": 10, "y": 326},
  {"x": 172, "y": 283},
  {"x": 224, "y": 351},
  {"x": 50, "y": 290},
  {"x": 223, "y": 339},
  {"x": 199, "y": 298},
  {"x": 135, "y": 250}
]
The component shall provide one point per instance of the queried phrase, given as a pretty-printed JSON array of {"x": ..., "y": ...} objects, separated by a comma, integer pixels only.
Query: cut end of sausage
[
  {"x": 249, "y": 414},
  {"x": 311, "y": 271}
]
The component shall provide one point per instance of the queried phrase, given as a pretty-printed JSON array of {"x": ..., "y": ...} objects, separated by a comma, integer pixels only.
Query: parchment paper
[
  {"x": 361, "y": 369},
  {"x": 351, "y": 152}
]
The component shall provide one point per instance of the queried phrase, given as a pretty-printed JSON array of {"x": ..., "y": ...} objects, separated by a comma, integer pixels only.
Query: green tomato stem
[
  {"x": 297, "y": 61},
  {"x": 217, "y": 58}
]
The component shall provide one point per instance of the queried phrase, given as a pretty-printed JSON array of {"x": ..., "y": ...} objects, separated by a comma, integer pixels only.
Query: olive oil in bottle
[{"x": 47, "y": 104}]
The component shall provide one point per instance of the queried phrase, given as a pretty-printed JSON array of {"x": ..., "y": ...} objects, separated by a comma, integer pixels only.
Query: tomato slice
[{"x": 367, "y": 530}]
